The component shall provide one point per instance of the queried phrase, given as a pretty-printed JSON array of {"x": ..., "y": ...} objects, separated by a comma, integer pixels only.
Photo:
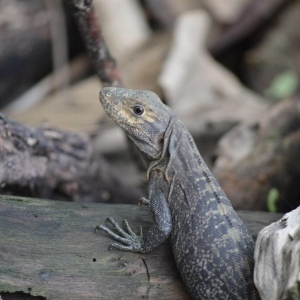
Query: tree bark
[
  {"x": 91, "y": 32},
  {"x": 50, "y": 163},
  {"x": 50, "y": 249}
]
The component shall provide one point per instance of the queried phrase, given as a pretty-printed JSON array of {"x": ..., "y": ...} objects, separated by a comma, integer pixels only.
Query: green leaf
[
  {"x": 283, "y": 85},
  {"x": 272, "y": 198}
]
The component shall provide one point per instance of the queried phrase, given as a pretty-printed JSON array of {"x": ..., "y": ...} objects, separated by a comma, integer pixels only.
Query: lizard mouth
[{"x": 110, "y": 109}]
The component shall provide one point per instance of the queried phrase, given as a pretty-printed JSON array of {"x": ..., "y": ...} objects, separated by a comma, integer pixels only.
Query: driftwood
[
  {"x": 254, "y": 158},
  {"x": 277, "y": 259},
  {"x": 50, "y": 163},
  {"x": 50, "y": 249}
]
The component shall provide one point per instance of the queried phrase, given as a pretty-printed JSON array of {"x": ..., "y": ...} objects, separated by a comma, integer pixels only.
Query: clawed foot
[
  {"x": 130, "y": 241},
  {"x": 144, "y": 201}
]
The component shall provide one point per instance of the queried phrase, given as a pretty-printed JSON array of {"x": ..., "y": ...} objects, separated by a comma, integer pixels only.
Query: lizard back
[{"x": 211, "y": 245}]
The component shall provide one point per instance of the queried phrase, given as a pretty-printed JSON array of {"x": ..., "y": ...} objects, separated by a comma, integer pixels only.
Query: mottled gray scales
[{"x": 212, "y": 248}]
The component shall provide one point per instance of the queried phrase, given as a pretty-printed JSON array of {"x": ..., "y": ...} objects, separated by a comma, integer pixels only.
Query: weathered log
[
  {"x": 50, "y": 163},
  {"x": 253, "y": 158},
  {"x": 277, "y": 259},
  {"x": 50, "y": 249}
]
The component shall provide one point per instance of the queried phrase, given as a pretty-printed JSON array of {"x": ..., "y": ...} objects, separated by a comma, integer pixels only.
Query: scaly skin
[{"x": 212, "y": 247}]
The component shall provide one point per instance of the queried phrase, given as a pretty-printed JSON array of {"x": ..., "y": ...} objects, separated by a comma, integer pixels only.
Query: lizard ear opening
[{"x": 160, "y": 139}]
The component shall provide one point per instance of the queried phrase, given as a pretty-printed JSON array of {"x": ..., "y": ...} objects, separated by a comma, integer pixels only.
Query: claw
[
  {"x": 130, "y": 241},
  {"x": 118, "y": 228},
  {"x": 113, "y": 235},
  {"x": 141, "y": 231},
  {"x": 144, "y": 201},
  {"x": 120, "y": 247},
  {"x": 127, "y": 227}
]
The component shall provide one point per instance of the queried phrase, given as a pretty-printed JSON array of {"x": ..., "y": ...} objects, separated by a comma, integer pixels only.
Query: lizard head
[{"x": 141, "y": 114}]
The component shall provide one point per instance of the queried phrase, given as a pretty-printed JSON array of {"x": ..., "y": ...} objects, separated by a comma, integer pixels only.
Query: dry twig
[{"x": 91, "y": 32}]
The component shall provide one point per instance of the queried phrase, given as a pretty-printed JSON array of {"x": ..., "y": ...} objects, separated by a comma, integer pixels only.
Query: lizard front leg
[{"x": 156, "y": 234}]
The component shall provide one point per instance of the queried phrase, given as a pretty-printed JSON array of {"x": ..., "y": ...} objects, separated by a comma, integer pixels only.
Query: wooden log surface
[{"x": 50, "y": 249}]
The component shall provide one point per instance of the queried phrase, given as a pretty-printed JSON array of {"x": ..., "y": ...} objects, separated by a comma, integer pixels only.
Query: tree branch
[{"x": 87, "y": 20}]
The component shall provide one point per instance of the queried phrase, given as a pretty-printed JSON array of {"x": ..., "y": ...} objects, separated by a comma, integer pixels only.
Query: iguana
[{"x": 212, "y": 247}]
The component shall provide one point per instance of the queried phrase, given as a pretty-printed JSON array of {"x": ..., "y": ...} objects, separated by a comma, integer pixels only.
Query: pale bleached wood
[
  {"x": 277, "y": 259},
  {"x": 205, "y": 95}
]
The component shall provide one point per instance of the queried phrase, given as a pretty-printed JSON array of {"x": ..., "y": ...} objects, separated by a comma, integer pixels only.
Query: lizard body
[{"x": 212, "y": 247}]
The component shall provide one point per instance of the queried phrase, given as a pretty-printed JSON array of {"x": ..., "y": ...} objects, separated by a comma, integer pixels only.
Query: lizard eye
[{"x": 138, "y": 110}]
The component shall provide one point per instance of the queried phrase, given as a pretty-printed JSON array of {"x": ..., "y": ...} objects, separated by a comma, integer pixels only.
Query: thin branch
[{"x": 89, "y": 26}]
